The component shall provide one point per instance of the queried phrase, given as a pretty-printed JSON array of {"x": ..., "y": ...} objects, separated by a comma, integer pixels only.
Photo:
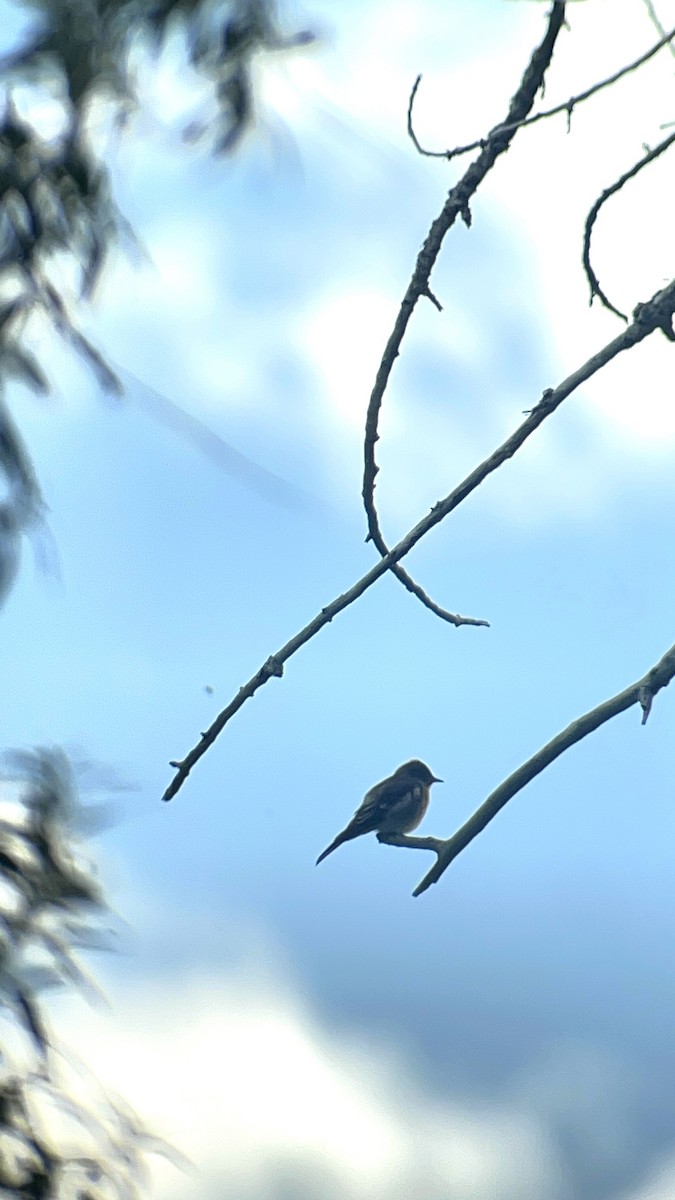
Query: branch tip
[{"x": 642, "y": 692}]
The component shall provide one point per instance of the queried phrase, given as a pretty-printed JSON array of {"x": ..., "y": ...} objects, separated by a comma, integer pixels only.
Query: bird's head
[{"x": 418, "y": 771}]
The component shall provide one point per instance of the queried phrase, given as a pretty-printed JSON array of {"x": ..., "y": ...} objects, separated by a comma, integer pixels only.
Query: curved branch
[
  {"x": 457, "y": 204},
  {"x": 642, "y": 693},
  {"x": 592, "y": 278},
  {"x": 657, "y": 313},
  {"x": 567, "y": 106}
]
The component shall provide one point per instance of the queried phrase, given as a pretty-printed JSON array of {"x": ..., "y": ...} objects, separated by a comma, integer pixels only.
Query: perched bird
[{"x": 396, "y": 805}]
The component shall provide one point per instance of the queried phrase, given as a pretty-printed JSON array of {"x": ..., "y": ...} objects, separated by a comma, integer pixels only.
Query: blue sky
[{"x": 510, "y": 1032}]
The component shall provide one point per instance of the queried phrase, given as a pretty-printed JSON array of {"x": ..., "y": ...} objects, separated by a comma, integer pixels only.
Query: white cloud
[
  {"x": 235, "y": 1069},
  {"x": 660, "y": 1184},
  {"x": 238, "y": 1073},
  {"x": 343, "y": 336}
]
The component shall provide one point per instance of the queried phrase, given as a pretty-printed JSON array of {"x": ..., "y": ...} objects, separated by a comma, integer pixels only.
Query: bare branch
[
  {"x": 657, "y": 313},
  {"x": 567, "y": 106},
  {"x": 642, "y": 692},
  {"x": 413, "y": 843},
  {"x": 593, "y": 282},
  {"x": 457, "y": 204}
]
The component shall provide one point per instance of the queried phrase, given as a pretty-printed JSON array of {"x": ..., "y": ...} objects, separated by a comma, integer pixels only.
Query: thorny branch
[
  {"x": 593, "y": 281},
  {"x": 642, "y": 692},
  {"x": 457, "y": 204},
  {"x": 567, "y": 106},
  {"x": 657, "y": 313}
]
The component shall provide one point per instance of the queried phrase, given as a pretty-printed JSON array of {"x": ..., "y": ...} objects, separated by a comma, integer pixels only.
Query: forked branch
[
  {"x": 567, "y": 106},
  {"x": 642, "y": 692},
  {"x": 456, "y": 205}
]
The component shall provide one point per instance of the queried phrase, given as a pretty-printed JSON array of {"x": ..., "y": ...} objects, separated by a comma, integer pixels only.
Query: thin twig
[
  {"x": 642, "y": 692},
  {"x": 657, "y": 313},
  {"x": 592, "y": 278},
  {"x": 567, "y": 106},
  {"x": 653, "y": 16},
  {"x": 457, "y": 204}
]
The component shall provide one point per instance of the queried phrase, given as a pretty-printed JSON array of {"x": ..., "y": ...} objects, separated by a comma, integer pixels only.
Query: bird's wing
[
  {"x": 388, "y": 803},
  {"x": 406, "y": 812}
]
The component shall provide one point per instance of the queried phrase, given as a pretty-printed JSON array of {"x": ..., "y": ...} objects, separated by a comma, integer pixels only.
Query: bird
[{"x": 396, "y": 805}]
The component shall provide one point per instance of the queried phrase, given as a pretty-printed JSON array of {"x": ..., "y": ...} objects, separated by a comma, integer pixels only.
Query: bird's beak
[{"x": 436, "y": 779}]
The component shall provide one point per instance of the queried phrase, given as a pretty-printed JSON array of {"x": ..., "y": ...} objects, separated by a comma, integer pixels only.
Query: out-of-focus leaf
[
  {"x": 30, "y": 1015},
  {"x": 63, "y": 906},
  {"x": 23, "y": 365},
  {"x": 10, "y": 548}
]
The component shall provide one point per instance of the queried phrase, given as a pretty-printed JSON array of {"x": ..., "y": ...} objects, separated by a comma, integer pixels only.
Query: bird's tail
[{"x": 333, "y": 846}]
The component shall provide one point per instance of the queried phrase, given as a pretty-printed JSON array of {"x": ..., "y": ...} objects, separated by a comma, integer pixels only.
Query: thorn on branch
[
  {"x": 543, "y": 403},
  {"x": 430, "y": 296},
  {"x": 645, "y": 698},
  {"x": 465, "y": 214}
]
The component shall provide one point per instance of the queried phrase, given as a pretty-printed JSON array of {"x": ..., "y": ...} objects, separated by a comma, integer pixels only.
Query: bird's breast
[{"x": 421, "y": 806}]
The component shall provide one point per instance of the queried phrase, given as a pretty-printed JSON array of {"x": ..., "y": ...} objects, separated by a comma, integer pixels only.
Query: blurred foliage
[
  {"x": 51, "y": 905},
  {"x": 58, "y": 224},
  {"x": 75, "y": 60}
]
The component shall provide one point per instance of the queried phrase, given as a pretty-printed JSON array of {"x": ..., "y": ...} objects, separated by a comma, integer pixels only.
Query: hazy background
[{"x": 305, "y": 1032}]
